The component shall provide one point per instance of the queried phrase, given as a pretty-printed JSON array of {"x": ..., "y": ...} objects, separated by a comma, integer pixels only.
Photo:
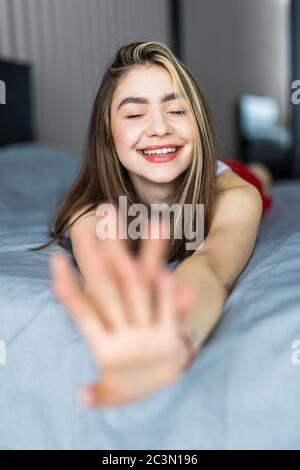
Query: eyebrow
[{"x": 142, "y": 100}]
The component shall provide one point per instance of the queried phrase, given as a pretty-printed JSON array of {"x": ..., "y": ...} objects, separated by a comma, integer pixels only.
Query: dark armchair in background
[
  {"x": 17, "y": 116},
  {"x": 261, "y": 138}
]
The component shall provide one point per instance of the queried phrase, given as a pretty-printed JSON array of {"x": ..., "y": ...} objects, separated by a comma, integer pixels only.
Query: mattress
[{"x": 243, "y": 389}]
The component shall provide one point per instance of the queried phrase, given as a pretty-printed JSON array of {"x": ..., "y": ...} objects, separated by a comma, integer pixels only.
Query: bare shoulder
[
  {"x": 82, "y": 219},
  {"x": 232, "y": 192},
  {"x": 83, "y": 237},
  {"x": 228, "y": 179}
]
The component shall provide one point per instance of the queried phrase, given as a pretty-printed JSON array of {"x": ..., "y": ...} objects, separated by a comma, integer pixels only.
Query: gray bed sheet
[{"x": 243, "y": 389}]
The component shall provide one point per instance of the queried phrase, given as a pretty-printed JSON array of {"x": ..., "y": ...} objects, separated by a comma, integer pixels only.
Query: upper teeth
[{"x": 160, "y": 151}]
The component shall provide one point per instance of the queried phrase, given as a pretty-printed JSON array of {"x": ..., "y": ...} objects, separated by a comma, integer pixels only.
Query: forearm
[{"x": 195, "y": 272}]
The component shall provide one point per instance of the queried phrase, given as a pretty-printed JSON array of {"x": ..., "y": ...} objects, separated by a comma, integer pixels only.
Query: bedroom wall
[
  {"x": 69, "y": 42},
  {"x": 236, "y": 47}
]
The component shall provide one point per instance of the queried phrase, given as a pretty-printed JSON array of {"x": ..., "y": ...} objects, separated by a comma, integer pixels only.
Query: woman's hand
[{"x": 128, "y": 311}]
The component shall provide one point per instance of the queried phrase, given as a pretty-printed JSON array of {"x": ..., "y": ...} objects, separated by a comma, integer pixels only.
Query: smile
[{"x": 160, "y": 155}]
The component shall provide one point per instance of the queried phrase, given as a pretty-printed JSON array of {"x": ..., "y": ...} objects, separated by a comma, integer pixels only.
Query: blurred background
[{"x": 244, "y": 54}]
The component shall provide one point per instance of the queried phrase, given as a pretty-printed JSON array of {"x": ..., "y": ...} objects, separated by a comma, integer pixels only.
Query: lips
[{"x": 164, "y": 157}]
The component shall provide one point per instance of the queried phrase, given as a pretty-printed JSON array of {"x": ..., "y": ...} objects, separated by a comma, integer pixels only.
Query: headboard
[{"x": 17, "y": 115}]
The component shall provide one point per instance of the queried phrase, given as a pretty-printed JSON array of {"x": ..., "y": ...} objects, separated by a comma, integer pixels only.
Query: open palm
[{"x": 128, "y": 311}]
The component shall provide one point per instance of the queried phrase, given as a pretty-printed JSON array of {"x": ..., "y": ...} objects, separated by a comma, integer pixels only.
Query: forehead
[{"x": 144, "y": 80}]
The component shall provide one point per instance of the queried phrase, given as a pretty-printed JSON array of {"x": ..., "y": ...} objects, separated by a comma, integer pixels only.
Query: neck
[{"x": 155, "y": 193}]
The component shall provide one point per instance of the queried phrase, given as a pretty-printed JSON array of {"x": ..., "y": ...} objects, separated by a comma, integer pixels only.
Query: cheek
[
  {"x": 187, "y": 132},
  {"x": 125, "y": 135}
]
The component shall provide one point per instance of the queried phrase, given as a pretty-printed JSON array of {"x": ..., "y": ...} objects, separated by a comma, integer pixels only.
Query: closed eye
[
  {"x": 134, "y": 116},
  {"x": 171, "y": 112},
  {"x": 178, "y": 112}
]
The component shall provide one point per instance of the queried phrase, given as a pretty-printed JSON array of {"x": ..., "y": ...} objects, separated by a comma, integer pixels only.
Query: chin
[{"x": 162, "y": 179}]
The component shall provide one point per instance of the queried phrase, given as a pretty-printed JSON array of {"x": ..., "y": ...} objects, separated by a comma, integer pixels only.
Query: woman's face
[{"x": 145, "y": 114}]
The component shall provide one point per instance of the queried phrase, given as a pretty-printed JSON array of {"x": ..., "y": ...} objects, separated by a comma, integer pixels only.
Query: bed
[{"x": 243, "y": 389}]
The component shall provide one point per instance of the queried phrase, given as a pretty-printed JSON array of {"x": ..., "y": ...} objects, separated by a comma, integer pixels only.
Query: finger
[
  {"x": 154, "y": 248},
  {"x": 109, "y": 230},
  {"x": 103, "y": 289},
  {"x": 99, "y": 283},
  {"x": 67, "y": 289},
  {"x": 135, "y": 295}
]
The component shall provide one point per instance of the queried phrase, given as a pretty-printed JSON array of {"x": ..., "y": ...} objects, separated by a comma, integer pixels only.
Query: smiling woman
[
  {"x": 150, "y": 140},
  {"x": 160, "y": 132}
]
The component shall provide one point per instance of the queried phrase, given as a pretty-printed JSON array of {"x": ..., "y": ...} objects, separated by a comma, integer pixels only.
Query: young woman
[{"x": 150, "y": 139}]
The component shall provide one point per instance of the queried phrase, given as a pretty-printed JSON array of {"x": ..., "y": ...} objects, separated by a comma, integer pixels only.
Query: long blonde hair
[{"x": 102, "y": 178}]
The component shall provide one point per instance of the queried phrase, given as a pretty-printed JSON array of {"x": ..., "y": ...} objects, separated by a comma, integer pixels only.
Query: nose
[{"x": 158, "y": 125}]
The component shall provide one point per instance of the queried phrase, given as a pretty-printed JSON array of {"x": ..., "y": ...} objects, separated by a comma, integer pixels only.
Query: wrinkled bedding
[{"x": 243, "y": 389}]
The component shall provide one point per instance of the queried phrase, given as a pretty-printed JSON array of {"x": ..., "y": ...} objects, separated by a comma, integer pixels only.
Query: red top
[{"x": 244, "y": 172}]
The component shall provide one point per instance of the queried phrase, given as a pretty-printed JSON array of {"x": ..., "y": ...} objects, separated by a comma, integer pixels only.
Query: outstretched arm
[
  {"x": 212, "y": 270},
  {"x": 136, "y": 342}
]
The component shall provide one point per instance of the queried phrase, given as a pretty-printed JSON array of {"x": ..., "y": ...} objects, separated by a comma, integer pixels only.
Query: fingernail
[{"x": 85, "y": 397}]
